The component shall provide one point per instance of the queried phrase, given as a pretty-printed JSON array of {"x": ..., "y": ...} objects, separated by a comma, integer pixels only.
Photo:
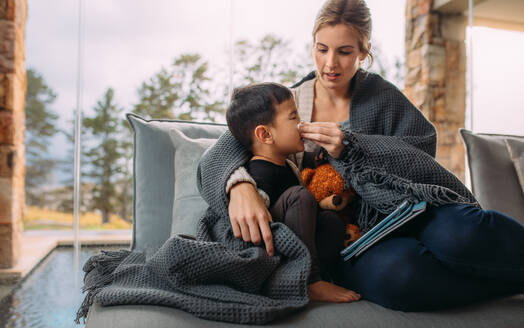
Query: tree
[
  {"x": 270, "y": 59},
  {"x": 104, "y": 156},
  {"x": 40, "y": 129},
  {"x": 183, "y": 91}
]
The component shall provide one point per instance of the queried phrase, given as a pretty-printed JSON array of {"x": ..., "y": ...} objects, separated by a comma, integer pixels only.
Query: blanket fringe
[
  {"x": 356, "y": 172},
  {"x": 104, "y": 265}
]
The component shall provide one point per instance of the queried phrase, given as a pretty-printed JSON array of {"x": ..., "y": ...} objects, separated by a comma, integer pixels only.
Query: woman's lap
[
  {"x": 442, "y": 259},
  {"x": 488, "y": 243}
]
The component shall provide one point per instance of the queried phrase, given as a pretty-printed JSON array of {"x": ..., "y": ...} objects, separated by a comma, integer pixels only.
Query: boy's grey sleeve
[
  {"x": 240, "y": 175},
  {"x": 264, "y": 196}
]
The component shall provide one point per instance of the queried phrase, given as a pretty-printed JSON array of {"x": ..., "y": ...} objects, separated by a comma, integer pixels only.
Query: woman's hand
[
  {"x": 325, "y": 134},
  {"x": 249, "y": 215}
]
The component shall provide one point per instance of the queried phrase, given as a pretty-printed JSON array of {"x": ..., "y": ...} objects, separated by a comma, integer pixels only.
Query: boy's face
[{"x": 284, "y": 128}]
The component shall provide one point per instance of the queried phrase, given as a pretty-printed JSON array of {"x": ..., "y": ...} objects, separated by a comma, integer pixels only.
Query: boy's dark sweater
[{"x": 274, "y": 179}]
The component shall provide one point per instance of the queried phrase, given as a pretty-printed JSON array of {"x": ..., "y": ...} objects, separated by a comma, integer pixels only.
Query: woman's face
[{"x": 337, "y": 55}]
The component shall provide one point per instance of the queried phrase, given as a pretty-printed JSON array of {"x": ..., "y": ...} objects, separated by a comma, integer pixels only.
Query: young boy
[{"x": 264, "y": 118}]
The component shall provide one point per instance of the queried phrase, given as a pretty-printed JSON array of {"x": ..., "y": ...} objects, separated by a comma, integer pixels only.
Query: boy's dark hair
[{"x": 254, "y": 105}]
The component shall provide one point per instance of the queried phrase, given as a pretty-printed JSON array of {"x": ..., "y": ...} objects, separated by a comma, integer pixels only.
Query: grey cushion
[
  {"x": 188, "y": 205},
  {"x": 516, "y": 153},
  {"x": 153, "y": 175},
  {"x": 494, "y": 180},
  {"x": 502, "y": 312}
]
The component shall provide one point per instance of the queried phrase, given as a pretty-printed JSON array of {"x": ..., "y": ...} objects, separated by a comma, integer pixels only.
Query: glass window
[
  {"x": 159, "y": 59},
  {"x": 497, "y": 89}
]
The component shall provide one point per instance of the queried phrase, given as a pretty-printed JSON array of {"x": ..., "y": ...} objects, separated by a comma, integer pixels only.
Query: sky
[{"x": 128, "y": 41}]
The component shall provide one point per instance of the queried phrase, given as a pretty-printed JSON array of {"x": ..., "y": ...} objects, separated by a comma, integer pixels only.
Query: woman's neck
[{"x": 335, "y": 96}]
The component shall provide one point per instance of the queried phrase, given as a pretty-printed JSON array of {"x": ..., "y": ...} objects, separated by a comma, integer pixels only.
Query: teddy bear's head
[{"x": 327, "y": 186}]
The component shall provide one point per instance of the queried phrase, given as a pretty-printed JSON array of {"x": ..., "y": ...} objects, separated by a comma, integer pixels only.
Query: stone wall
[
  {"x": 436, "y": 76},
  {"x": 13, "y": 15}
]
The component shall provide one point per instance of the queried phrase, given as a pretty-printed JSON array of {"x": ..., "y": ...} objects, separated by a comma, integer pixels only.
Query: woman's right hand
[{"x": 249, "y": 215}]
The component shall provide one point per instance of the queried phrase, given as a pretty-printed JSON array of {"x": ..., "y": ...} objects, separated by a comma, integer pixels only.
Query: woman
[{"x": 454, "y": 253}]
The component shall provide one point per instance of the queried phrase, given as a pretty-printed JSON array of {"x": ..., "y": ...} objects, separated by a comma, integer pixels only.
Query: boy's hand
[{"x": 249, "y": 216}]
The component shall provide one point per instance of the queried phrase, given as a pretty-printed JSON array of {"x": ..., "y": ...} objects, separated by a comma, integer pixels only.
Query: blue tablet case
[{"x": 402, "y": 214}]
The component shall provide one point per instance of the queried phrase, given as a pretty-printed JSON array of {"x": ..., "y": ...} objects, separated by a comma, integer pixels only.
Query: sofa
[{"x": 167, "y": 202}]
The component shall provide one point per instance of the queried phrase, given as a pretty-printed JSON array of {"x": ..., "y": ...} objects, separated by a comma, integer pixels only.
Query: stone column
[
  {"x": 436, "y": 76},
  {"x": 13, "y": 15}
]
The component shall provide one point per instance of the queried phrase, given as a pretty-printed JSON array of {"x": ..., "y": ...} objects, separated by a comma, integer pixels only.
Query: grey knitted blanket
[
  {"x": 215, "y": 277},
  {"x": 390, "y": 153}
]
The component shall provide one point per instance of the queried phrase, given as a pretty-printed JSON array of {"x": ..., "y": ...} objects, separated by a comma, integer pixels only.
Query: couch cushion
[
  {"x": 153, "y": 175},
  {"x": 501, "y": 312},
  {"x": 188, "y": 205},
  {"x": 494, "y": 180},
  {"x": 516, "y": 153}
]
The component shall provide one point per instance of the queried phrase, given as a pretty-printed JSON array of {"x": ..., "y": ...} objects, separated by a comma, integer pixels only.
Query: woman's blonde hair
[{"x": 354, "y": 14}]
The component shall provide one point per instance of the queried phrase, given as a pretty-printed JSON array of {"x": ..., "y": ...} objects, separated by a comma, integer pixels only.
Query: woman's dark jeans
[{"x": 448, "y": 256}]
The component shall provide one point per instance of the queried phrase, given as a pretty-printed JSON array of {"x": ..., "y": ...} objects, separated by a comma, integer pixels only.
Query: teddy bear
[{"x": 327, "y": 186}]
